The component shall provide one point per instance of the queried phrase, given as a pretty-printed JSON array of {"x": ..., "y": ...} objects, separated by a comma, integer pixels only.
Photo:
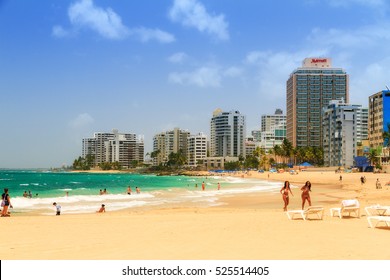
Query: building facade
[
  {"x": 341, "y": 123},
  {"x": 197, "y": 149},
  {"x": 124, "y": 148},
  {"x": 168, "y": 142},
  {"x": 227, "y": 134},
  {"x": 309, "y": 89},
  {"x": 273, "y": 130},
  {"x": 379, "y": 118}
]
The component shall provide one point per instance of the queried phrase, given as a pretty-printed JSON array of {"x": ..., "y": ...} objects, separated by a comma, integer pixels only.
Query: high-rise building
[
  {"x": 197, "y": 149},
  {"x": 169, "y": 142},
  {"x": 273, "y": 129},
  {"x": 124, "y": 148},
  {"x": 309, "y": 89},
  {"x": 269, "y": 122},
  {"x": 379, "y": 118},
  {"x": 227, "y": 134},
  {"x": 341, "y": 123}
]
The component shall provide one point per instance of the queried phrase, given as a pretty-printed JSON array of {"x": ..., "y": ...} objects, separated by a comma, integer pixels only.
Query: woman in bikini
[
  {"x": 284, "y": 191},
  {"x": 305, "y": 194},
  {"x": 6, "y": 202}
]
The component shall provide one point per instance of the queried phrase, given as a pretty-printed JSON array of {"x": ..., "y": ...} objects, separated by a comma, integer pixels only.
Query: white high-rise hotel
[{"x": 227, "y": 134}]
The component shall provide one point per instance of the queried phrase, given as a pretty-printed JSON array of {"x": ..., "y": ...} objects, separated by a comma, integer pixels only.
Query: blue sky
[{"x": 72, "y": 68}]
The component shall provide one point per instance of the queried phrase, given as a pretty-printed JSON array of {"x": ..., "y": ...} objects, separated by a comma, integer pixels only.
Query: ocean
[{"x": 80, "y": 192}]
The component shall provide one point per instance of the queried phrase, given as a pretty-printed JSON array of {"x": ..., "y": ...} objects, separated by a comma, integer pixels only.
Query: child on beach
[
  {"x": 58, "y": 208},
  {"x": 284, "y": 191}
]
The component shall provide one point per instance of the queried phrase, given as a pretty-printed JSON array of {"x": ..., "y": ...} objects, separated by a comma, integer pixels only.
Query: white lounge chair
[
  {"x": 378, "y": 219},
  {"x": 317, "y": 210},
  {"x": 347, "y": 206},
  {"x": 377, "y": 210}
]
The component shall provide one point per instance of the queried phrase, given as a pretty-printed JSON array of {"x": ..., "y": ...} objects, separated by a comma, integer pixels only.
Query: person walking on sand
[
  {"x": 306, "y": 189},
  {"x": 285, "y": 190},
  {"x": 58, "y": 208},
  {"x": 5, "y": 203},
  {"x": 219, "y": 186}
]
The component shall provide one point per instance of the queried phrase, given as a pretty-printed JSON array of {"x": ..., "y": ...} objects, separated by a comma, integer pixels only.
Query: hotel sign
[
  {"x": 319, "y": 60},
  {"x": 323, "y": 62}
]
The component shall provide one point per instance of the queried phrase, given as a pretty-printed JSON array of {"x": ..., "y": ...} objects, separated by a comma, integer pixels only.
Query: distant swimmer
[
  {"x": 203, "y": 186},
  {"x": 129, "y": 190},
  {"x": 137, "y": 190},
  {"x": 219, "y": 186}
]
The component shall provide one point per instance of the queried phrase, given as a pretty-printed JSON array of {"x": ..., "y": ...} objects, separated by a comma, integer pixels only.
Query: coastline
[{"x": 244, "y": 227}]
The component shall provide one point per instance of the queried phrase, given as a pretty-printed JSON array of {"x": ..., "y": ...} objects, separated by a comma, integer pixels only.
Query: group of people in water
[
  {"x": 305, "y": 195},
  {"x": 29, "y": 194},
  {"x": 129, "y": 191}
]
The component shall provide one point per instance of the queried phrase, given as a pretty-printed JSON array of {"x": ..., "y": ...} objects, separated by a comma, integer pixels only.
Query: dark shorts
[{"x": 58, "y": 213}]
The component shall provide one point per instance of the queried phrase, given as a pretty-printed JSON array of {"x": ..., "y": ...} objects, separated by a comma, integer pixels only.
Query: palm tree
[
  {"x": 373, "y": 156},
  {"x": 287, "y": 149}
]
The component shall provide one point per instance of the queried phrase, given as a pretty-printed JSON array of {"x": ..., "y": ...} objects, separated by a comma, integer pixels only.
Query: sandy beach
[{"x": 245, "y": 227}]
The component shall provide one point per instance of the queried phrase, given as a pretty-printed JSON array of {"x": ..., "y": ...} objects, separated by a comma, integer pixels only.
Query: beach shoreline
[{"x": 243, "y": 227}]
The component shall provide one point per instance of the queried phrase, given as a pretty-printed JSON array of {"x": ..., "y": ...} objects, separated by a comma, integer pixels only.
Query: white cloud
[
  {"x": 360, "y": 38},
  {"x": 233, "y": 72},
  {"x": 146, "y": 35},
  {"x": 81, "y": 120},
  {"x": 201, "y": 77},
  {"x": 58, "y": 31},
  {"x": 178, "y": 57},
  {"x": 206, "y": 76},
  {"x": 106, "y": 22},
  {"x": 84, "y": 14},
  {"x": 192, "y": 13}
]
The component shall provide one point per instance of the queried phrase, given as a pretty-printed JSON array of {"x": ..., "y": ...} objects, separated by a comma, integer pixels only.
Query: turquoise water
[{"x": 79, "y": 192}]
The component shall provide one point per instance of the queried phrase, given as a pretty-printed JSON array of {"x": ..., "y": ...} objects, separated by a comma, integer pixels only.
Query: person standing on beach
[
  {"x": 378, "y": 184},
  {"x": 58, "y": 208},
  {"x": 5, "y": 203},
  {"x": 306, "y": 189},
  {"x": 203, "y": 186},
  {"x": 219, "y": 186},
  {"x": 285, "y": 190}
]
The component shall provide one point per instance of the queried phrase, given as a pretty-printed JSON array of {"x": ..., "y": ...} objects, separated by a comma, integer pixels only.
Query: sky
[{"x": 72, "y": 68}]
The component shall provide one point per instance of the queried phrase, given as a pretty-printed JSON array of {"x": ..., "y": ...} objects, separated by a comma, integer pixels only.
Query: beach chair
[
  {"x": 377, "y": 210},
  {"x": 312, "y": 210},
  {"x": 347, "y": 207},
  {"x": 378, "y": 219}
]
